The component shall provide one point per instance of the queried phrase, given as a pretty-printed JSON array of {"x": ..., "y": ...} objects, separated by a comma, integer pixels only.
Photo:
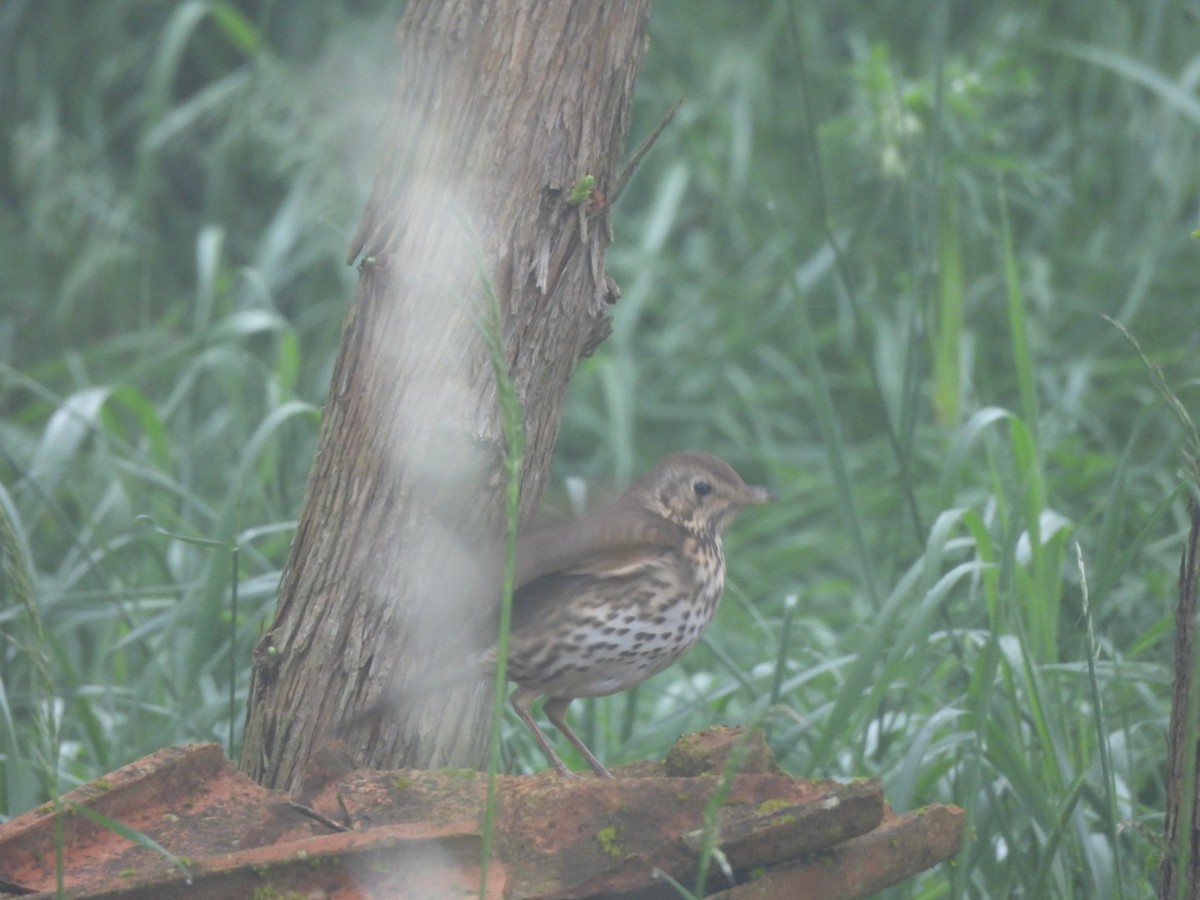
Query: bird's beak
[{"x": 755, "y": 495}]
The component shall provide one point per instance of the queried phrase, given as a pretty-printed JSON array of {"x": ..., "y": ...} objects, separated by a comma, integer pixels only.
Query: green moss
[
  {"x": 103, "y": 784},
  {"x": 608, "y": 842},
  {"x": 270, "y": 892},
  {"x": 582, "y": 190},
  {"x": 769, "y": 806},
  {"x": 401, "y": 783},
  {"x": 127, "y": 873}
]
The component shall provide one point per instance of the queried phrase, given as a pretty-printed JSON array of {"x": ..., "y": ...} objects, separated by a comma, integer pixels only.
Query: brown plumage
[{"x": 604, "y": 603}]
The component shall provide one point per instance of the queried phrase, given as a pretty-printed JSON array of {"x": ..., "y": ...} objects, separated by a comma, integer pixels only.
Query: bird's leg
[
  {"x": 556, "y": 712},
  {"x": 522, "y": 699}
]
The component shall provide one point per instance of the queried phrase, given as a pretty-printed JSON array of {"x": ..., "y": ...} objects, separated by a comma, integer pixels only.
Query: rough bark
[
  {"x": 502, "y": 107},
  {"x": 1181, "y": 862}
]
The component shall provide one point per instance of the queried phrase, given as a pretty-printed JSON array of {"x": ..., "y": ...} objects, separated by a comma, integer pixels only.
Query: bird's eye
[{"x": 702, "y": 488}]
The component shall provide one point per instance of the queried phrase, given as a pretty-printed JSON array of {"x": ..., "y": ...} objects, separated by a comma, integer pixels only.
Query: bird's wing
[
  {"x": 613, "y": 547},
  {"x": 613, "y": 543}
]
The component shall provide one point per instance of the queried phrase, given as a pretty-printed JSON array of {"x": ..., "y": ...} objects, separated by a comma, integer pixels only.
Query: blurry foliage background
[{"x": 866, "y": 264}]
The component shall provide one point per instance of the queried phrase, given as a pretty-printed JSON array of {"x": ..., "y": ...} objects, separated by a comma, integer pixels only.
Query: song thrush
[{"x": 604, "y": 603}]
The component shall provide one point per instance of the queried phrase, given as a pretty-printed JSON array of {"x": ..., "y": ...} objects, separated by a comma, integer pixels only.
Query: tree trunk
[{"x": 501, "y": 110}]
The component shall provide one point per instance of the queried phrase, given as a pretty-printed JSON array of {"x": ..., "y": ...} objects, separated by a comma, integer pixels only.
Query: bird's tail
[{"x": 401, "y": 693}]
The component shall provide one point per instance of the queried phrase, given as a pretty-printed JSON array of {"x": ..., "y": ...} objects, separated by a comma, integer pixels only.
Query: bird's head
[{"x": 697, "y": 491}]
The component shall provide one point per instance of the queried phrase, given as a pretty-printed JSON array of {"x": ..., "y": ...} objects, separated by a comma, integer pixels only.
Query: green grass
[{"x": 866, "y": 263}]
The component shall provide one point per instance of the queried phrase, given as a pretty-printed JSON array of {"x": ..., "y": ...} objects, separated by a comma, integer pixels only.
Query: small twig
[
  {"x": 313, "y": 814},
  {"x": 643, "y": 148},
  {"x": 1179, "y": 866}
]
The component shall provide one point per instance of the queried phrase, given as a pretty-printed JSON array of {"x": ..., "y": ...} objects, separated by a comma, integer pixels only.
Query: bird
[{"x": 606, "y": 602}]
